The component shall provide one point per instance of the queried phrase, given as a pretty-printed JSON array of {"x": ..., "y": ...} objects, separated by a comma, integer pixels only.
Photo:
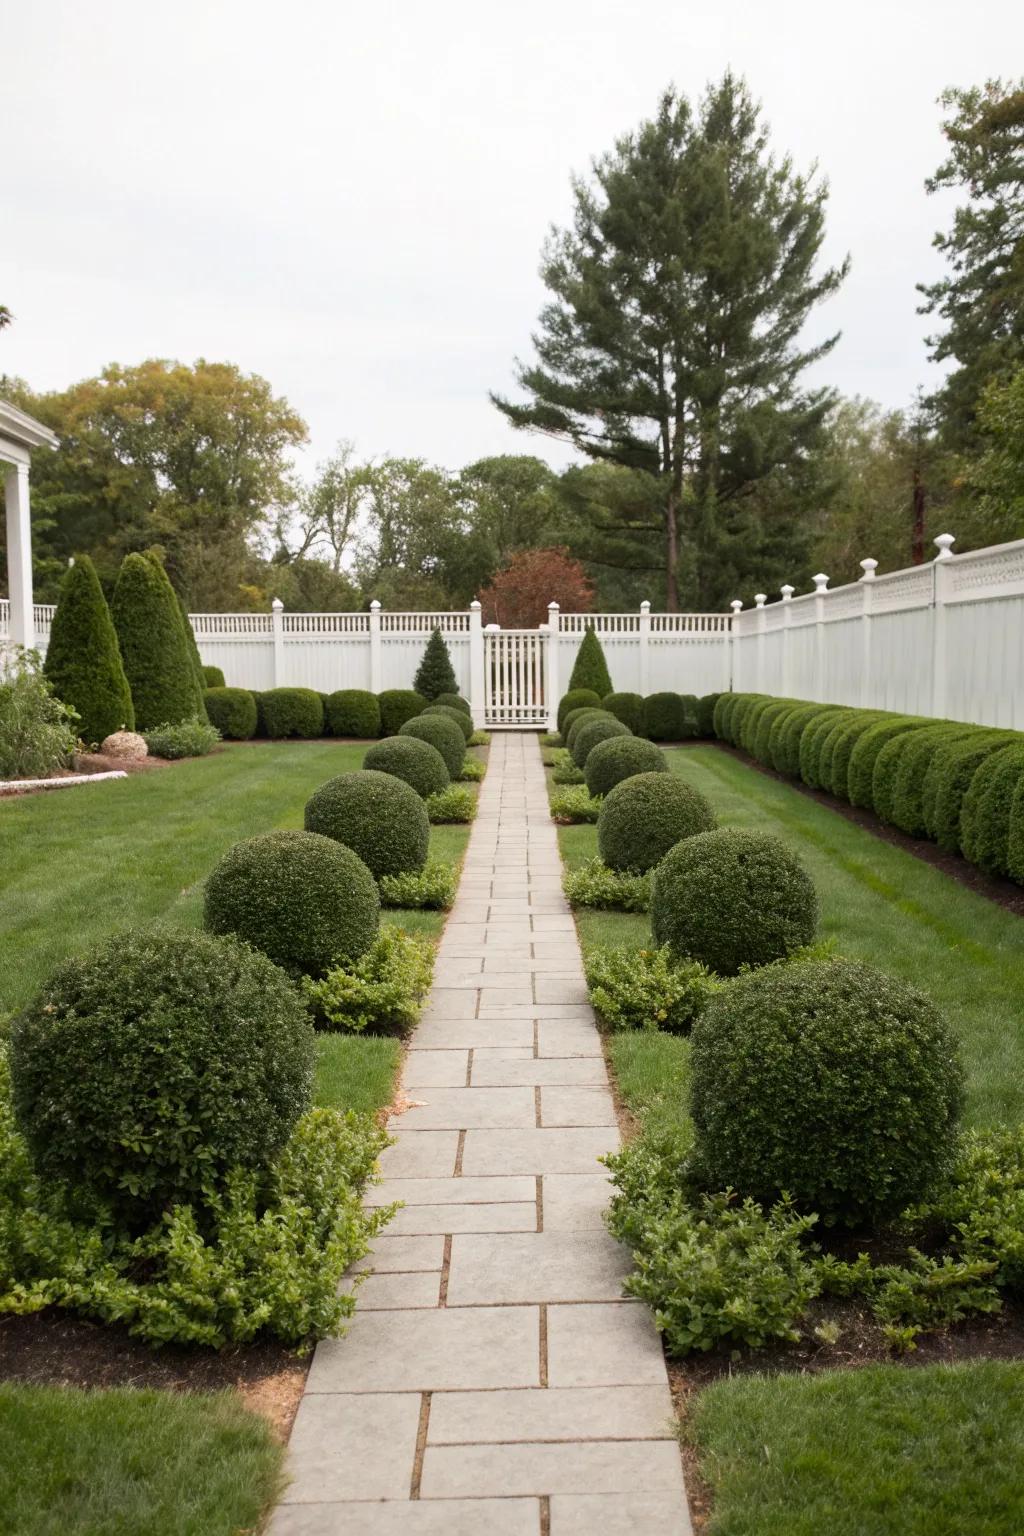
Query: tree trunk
[{"x": 671, "y": 553}]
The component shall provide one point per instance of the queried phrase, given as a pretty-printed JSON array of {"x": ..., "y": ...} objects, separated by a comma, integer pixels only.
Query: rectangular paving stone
[
  {"x": 551, "y": 1413},
  {"x": 435, "y": 1069},
  {"x": 506, "y": 1217},
  {"x": 592, "y": 1466},
  {"x": 353, "y": 1447},
  {"x": 449, "y": 1003},
  {"x": 550, "y": 989},
  {"x": 468, "y": 1107},
  {"x": 571, "y": 1013},
  {"x": 450, "y": 1349},
  {"x": 394, "y": 1254},
  {"x": 386, "y": 1292},
  {"x": 620, "y": 1514},
  {"x": 575, "y": 1202},
  {"x": 441, "y": 1517},
  {"x": 490, "y": 1191},
  {"x": 571, "y": 1150},
  {"x": 508, "y": 995},
  {"x": 567, "y": 1038},
  {"x": 610, "y": 1344},
  {"x": 532, "y": 1070},
  {"x": 515, "y": 1267},
  {"x": 459, "y": 1034},
  {"x": 552, "y": 922},
  {"x": 421, "y": 1154},
  {"x": 576, "y": 1106},
  {"x": 492, "y": 1053}
]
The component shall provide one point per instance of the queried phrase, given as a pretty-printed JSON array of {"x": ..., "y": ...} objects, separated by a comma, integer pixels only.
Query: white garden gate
[{"x": 516, "y": 685}]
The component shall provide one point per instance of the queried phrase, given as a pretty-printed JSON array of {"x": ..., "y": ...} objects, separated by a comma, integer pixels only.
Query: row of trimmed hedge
[
  {"x": 658, "y": 717},
  {"x": 241, "y": 713},
  {"x": 960, "y": 785}
]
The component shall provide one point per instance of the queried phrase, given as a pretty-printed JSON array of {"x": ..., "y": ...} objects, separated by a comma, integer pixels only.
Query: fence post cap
[
  {"x": 787, "y": 593},
  {"x": 820, "y": 582},
  {"x": 944, "y": 543},
  {"x": 491, "y": 629},
  {"x": 277, "y": 605},
  {"x": 645, "y": 606},
  {"x": 736, "y": 604},
  {"x": 553, "y": 607},
  {"x": 475, "y": 605},
  {"x": 375, "y": 606},
  {"x": 869, "y": 567}
]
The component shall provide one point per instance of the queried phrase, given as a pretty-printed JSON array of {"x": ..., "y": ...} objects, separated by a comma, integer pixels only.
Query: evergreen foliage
[
  {"x": 397, "y": 705},
  {"x": 407, "y": 757},
  {"x": 83, "y": 660},
  {"x": 232, "y": 711},
  {"x": 198, "y": 670},
  {"x": 353, "y": 712},
  {"x": 443, "y": 734},
  {"x": 627, "y": 707},
  {"x": 213, "y": 677},
  {"x": 590, "y": 670},
  {"x": 435, "y": 674},
  {"x": 619, "y": 758},
  {"x": 644, "y": 816},
  {"x": 590, "y": 733},
  {"x": 378, "y": 816},
  {"x": 154, "y": 648},
  {"x": 576, "y": 698}
]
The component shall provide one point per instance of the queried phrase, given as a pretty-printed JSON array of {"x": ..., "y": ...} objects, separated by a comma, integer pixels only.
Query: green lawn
[
  {"x": 880, "y": 1451},
  {"x": 131, "y": 1463}
]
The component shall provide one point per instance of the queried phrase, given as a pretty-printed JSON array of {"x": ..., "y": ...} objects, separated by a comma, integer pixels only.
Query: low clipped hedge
[
  {"x": 663, "y": 718},
  {"x": 353, "y": 712},
  {"x": 618, "y": 758},
  {"x": 443, "y": 735},
  {"x": 987, "y": 805},
  {"x": 232, "y": 711},
  {"x": 576, "y": 698},
  {"x": 644, "y": 816},
  {"x": 457, "y": 716},
  {"x": 829, "y": 1081},
  {"x": 731, "y": 898},
  {"x": 409, "y": 758},
  {"x": 761, "y": 748},
  {"x": 292, "y": 712},
  {"x": 897, "y": 779},
  {"x": 812, "y": 740},
  {"x": 865, "y": 754},
  {"x": 397, "y": 705},
  {"x": 706, "y": 706},
  {"x": 303, "y": 899},
  {"x": 787, "y": 735},
  {"x": 834, "y": 762},
  {"x": 627, "y": 707},
  {"x": 948, "y": 779},
  {"x": 576, "y": 719},
  {"x": 590, "y": 733},
  {"x": 213, "y": 677},
  {"x": 380, "y": 817}
]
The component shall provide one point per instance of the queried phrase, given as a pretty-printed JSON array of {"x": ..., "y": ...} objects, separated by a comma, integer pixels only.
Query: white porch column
[{"x": 19, "y": 555}]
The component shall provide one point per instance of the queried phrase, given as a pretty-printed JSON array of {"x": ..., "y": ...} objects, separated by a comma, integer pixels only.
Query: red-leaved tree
[{"x": 519, "y": 594}]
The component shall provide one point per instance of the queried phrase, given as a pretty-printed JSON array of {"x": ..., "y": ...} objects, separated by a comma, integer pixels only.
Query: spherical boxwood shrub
[
  {"x": 985, "y": 813},
  {"x": 397, "y": 705},
  {"x": 353, "y": 712},
  {"x": 304, "y": 900},
  {"x": 442, "y": 734},
  {"x": 829, "y": 1080},
  {"x": 458, "y": 716},
  {"x": 576, "y": 719},
  {"x": 147, "y": 1068},
  {"x": 408, "y": 758},
  {"x": 292, "y": 712},
  {"x": 576, "y": 698},
  {"x": 663, "y": 717},
  {"x": 618, "y": 758},
  {"x": 378, "y": 816},
  {"x": 731, "y": 898},
  {"x": 455, "y": 701},
  {"x": 763, "y": 734},
  {"x": 627, "y": 707},
  {"x": 232, "y": 711},
  {"x": 590, "y": 732},
  {"x": 213, "y": 677},
  {"x": 646, "y": 815}
]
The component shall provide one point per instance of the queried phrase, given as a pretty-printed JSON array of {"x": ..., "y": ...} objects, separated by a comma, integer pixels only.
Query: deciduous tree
[{"x": 519, "y": 595}]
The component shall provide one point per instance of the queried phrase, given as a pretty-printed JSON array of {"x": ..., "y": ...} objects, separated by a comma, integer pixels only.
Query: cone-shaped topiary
[
  {"x": 154, "y": 649},
  {"x": 377, "y": 815},
  {"x": 590, "y": 670},
  {"x": 443, "y": 734},
  {"x": 83, "y": 661},
  {"x": 408, "y": 758},
  {"x": 197, "y": 661},
  {"x": 620, "y": 757},
  {"x": 645, "y": 815},
  {"x": 435, "y": 674}
]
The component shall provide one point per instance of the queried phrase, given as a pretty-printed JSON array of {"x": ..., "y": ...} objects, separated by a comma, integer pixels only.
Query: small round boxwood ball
[
  {"x": 576, "y": 719},
  {"x": 593, "y": 731},
  {"x": 442, "y": 734},
  {"x": 408, "y": 758},
  {"x": 576, "y": 698},
  {"x": 454, "y": 701},
  {"x": 458, "y": 716},
  {"x": 353, "y": 712},
  {"x": 304, "y": 900},
  {"x": 646, "y": 815},
  {"x": 731, "y": 898},
  {"x": 829, "y": 1080},
  {"x": 379, "y": 817},
  {"x": 618, "y": 758},
  {"x": 232, "y": 711}
]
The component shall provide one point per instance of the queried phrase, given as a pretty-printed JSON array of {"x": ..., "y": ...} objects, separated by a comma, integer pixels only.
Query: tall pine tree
[
  {"x": 83, "y": 661},
  {"x": 671, "y": 342}
]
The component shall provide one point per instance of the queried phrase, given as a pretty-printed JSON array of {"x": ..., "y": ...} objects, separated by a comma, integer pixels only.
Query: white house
[{"x": 19, "y": 434}]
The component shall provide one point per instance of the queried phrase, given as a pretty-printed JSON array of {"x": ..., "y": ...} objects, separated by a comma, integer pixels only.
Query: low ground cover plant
[
  {"x": 430, "y": 889},
  {"x": 574, "y": 804},
  {"x": 563, "y": 769},
  {"x": 383, "y": 990},
  {"x": 593, "y": 884},
  {"x": 647, "y": 988},
  {"x": 472, "y": 770},
  {"x": 452, "y": 806},
  {"x": 188, "y": 738}
]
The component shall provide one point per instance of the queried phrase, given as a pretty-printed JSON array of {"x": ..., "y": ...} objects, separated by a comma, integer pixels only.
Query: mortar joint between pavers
[{"x": 421, "y": 1447}]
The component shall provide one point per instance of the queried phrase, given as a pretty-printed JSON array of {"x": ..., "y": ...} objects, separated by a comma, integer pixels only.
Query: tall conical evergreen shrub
[
  {"x": 591, "y": 669},
  {"x": 154, "y": 649},
  {"x": 83, "y": 661},
  {"x": 196, "y": 659},
  {"x": 436, "y": 674}
]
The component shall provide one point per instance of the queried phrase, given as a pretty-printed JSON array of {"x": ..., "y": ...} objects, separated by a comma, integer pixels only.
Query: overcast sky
[{"x": 351, "y": 199}]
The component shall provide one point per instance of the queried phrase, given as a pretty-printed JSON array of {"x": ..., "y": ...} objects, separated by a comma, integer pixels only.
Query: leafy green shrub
[
  {"x": 479, "y": 739},
  {"x": 303, "y": 899},
  {"x": 762, "y": 736},
  {"x": 812, "y": 739},
  {"x": 838, "y": 749},
  {"x": 261, "y": 724},
  {"x": 38, "y": 734},
  {"x": 432, "y": 889},
  {"x": 444, "y": 735},
  {"x": 690, "y": 704},
  {"x": 435, "y": 674},
  {"x": 145, "y": 1070},
  {"x": 397, "y": 705},
  {"x": 155, "y": 652},
  {"x": 83, "y": 662},
  {"x": 213, "y": 677},
  {"x": 720, "y": 715},
  {"x": 187, "y": 738},
  {"x": 647, "y": 989},
  {"x": 455, "y": 701},
  {"x": 574, "y": 805},
  {"x": 383, "y": 990},
  {"x": 589, "y": 733},
  {"x": 948, "y": 779},
  {"x": 646, "y": 815},
  {"x": 981, "y": 1204},
  {"x": 449, "y": 712},
  {"x": 742, "y": 705},
  {"x": 593, "y": 884},
  {"x": 576, "y": 719},
  {"x": 353, "y": 712},
  {"x": 627, "y": 707},
  {"x": 292, "y": 712},
  {"x": 577, "y": 698},
  {"x": 985, "y": 813},
  {"x": 751, "y": 719},
  {"x": 861, "y": 768},
  {"x": 620, "y": 758},
  {"x": 706, "y": 715},
  {"x": 564, "y": 770},
  {"x": 454, "y": 806},
  {"x": 732, "y": 898},
  {"x": 909, "y": 1298},
  {"x": 787, "y": 735},
  {"x": 379, "y": 817},
  {"x": 829, "y": 1080},
  {"x": 663, "y": 717},
  {"x": 408, "y": 758},
  {"x": 472, "y": 770},
  {"x": 590, "y": 670},
  {"x": 1015, "y": 837},
  {"x": 195, "y": 660},
  {"x": 232, "y": 711},
  {"x": 898, "y": 775}
]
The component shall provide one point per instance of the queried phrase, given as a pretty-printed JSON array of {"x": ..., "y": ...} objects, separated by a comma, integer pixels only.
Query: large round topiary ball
[
  {"x": 449, "y": 712},
  {"x": 232, "y": 711},
  {"x": 646, "y": 815},
  {"x": 304, "y": 900},
  {"x": 618, "y": 758},
  {"x": 408, "y": 758},
  {"x": 444, "y": 735},
  {"x": 378, "y": 816},
  {"x": 353, "y": 712},
  {"x": 591, "y": 732},
  {"x": 829, "y": 1080},
  {"x": 732, "y": 898},
  {"x": 147, "y": 1068},
  {"x": 576, "y": 719},
  {"x": 627, "y": 707}
]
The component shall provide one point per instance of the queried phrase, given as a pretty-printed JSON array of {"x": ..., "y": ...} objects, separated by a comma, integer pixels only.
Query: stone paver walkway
[{"x": 493, "y": 1380}]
